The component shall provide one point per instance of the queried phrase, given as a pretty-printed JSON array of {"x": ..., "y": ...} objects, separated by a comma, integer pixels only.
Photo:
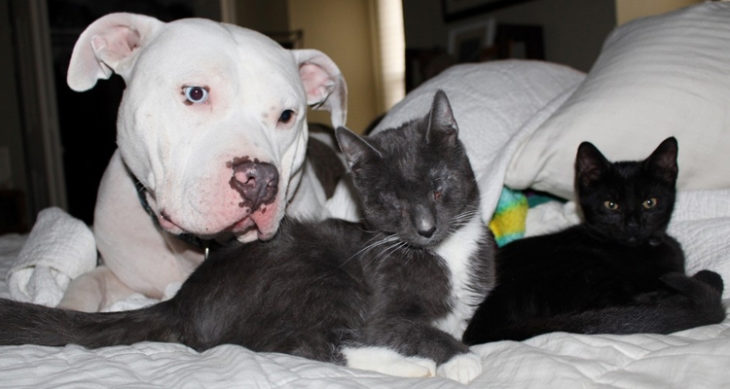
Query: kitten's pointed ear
[
  {"x": 354, "y": 147},
  {"x": 441, "y": 122},
  {"x": 663, "y": 161},
  {"x": 589, "y": 164}
]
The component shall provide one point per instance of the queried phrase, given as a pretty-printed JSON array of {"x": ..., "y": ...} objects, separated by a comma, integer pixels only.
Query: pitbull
[{"x": 211, "y": 136}]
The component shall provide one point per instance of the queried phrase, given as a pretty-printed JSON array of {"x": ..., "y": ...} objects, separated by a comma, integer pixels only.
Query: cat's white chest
[{"x": 457, "y": 251}]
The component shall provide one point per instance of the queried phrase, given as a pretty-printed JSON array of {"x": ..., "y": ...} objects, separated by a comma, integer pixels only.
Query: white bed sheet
[{"x": 696, "y": 358}]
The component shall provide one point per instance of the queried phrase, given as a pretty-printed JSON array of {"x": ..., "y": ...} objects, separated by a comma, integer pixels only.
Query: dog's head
[{"x": 213, "y": 118}]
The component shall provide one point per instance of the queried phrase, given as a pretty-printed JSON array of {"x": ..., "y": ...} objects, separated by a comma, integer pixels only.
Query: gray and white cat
[{"x": 403, "y": 283}]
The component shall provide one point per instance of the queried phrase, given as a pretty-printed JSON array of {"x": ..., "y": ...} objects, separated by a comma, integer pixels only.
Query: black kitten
[
  {"x": 617, "y": 272},
  {"x": 408, "y": 281}
]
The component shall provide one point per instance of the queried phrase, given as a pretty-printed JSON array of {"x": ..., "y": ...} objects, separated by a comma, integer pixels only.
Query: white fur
[
  {"x": 462, "y": 368},
  {"x": 457, "y": 251},
  {"x": 387, "y": 361}
]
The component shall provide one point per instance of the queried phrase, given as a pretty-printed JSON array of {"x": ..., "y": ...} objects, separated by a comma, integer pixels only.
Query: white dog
[{"x": 212, "y": 130}]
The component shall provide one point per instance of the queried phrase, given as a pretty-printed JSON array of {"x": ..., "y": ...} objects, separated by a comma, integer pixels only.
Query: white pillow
[{"x": 656, "y": 77}]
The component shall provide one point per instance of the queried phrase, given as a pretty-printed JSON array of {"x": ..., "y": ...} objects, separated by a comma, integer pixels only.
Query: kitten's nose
[
  {"x": 632, "y": 226},
  {"x": 424, "y": 222},
  {"x": 426, "y": 232}
]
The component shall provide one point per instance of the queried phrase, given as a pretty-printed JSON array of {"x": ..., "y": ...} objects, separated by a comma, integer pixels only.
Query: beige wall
[
  {"x": 342, "y": 30},
  {"x": 627, "y": 10}
]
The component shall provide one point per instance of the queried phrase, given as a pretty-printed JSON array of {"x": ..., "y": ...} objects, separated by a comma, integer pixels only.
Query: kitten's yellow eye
[
  {"x": 610, "y": 205},
  {"x": 650, "y": 203}
]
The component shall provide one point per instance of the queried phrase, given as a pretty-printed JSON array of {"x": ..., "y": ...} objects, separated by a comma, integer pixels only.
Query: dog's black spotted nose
[{"x": 256, "y": 182}]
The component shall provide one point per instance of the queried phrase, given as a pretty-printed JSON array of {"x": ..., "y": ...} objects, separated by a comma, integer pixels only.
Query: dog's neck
[{"x": 203, "y": 245}]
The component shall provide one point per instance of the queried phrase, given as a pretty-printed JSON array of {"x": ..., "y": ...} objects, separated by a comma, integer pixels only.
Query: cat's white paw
[
  {"x": 386, "y": 361},
  {"x": 463, "y": 368}
]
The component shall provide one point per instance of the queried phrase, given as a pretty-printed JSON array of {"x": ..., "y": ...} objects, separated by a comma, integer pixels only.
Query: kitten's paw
[
  {"x": 463, "y": 368},
  {"x": 711, "y": 278},
  {"x": 386, "y": 361},
  {"x": 698, "y": 287}
]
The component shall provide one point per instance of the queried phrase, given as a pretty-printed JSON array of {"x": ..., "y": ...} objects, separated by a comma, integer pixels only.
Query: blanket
[
  {"x": 695, "y": 358},
  {"x": 510, "y": 217}
]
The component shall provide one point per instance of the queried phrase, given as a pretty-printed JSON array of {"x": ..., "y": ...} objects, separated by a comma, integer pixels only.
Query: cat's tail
[
  {"x": 697, "y": 302},
  {"x": 692, "y": 302},
  {"x": 23, "y": 323}
]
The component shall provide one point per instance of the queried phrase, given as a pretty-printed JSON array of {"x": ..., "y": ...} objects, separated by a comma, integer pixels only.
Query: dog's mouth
[
  {"x": 247, "y": 230},
  {"x": 165, "y": 221},
  {"x": 261, "y": 224}
]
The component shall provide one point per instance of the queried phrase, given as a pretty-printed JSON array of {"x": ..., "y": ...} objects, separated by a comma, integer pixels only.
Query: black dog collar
[{"x": 195, "y": 241}]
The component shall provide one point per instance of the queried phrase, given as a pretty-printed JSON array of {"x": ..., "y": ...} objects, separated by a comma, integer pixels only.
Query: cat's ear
[
  {"x": 442, "y": 126},
  {"x": 354, "y": 147},
  {"x": 663, "y": 161},
  {"x": 589, "y": 164}
]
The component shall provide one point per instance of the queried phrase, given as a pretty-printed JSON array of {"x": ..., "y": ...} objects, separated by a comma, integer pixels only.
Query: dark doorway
[{"x": 87, "y": 120}]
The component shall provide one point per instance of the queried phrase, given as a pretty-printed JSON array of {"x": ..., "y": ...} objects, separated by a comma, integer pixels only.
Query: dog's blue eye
[
  {"x": 195, "y": 94},
  {"x": 286, "y": 116}
]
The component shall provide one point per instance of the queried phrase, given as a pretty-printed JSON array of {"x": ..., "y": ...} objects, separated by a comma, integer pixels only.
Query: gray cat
[{"x": 406, "y": 281}]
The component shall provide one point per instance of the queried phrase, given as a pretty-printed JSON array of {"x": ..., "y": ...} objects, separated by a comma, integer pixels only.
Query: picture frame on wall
[
  {"x": 467, "y": 43},
  {"x": 460, "y": 9}
]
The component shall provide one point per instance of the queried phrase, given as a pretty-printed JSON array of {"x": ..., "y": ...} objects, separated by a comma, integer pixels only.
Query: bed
[{"x": 521, "y": 122}]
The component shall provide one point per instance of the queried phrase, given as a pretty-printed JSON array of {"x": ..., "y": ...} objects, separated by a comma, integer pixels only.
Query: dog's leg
[
  {"x": 137, "y": 255},
  {"x": 94, "y": 290}
]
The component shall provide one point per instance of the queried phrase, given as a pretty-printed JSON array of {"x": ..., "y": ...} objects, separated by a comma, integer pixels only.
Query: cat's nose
[
  {"x": 424, "y": 222},
  {"x": 427, "y": 232}
]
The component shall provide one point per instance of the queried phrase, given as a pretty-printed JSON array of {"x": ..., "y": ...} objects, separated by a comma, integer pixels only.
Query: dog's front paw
[
  {"x": 462, "y": 368},
  {"x": 387, "y": 361}
]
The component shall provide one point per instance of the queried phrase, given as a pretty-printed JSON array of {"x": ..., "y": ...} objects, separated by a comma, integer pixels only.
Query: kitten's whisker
[
  {"x": 468, "y": 214},
  {"x": 371, "y": 245},
  {"x": 374, "y": 242},
  {"x": 397, "y": 246}
]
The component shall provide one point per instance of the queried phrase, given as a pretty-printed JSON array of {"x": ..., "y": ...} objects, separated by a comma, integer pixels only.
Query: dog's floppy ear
[
  {"x": 323, "y": 82},
  {"x": 109, "y": 44}
]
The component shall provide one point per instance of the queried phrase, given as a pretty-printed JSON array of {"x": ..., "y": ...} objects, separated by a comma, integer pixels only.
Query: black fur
[
  {"x": 617, "y": 272},
  {"x": 319, "y": 286}
]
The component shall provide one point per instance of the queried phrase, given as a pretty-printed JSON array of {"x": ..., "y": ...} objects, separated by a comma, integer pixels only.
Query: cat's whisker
[
  {"x": 384, "y": 251},
  {"x": 374, "y": 242},
  {"x": 372, "y": 245},
  {"x": 467, "y": 215},
  {"x": 396, "y": 246},
  {"x": 462, "y": 218}
]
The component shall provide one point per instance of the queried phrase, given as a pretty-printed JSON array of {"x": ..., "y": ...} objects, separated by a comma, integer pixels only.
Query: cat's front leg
[
  {"x": 387, "y": 361},
  {"x": 414, "y": 338},
  {"x": 461, "y": 367}
]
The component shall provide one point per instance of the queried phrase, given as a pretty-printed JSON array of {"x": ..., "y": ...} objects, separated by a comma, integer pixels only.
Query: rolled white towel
[{"x": 58, "y": 249}]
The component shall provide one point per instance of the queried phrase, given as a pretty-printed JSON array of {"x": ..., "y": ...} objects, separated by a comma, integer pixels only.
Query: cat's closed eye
[
  {"x": 610, "y": 205},
  {"x": 438, "y": 188},
  {"x": 649, "y": 203}
]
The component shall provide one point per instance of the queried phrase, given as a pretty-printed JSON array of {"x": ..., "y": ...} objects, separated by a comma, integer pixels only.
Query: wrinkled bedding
[{"x": 696, "y": 358}]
